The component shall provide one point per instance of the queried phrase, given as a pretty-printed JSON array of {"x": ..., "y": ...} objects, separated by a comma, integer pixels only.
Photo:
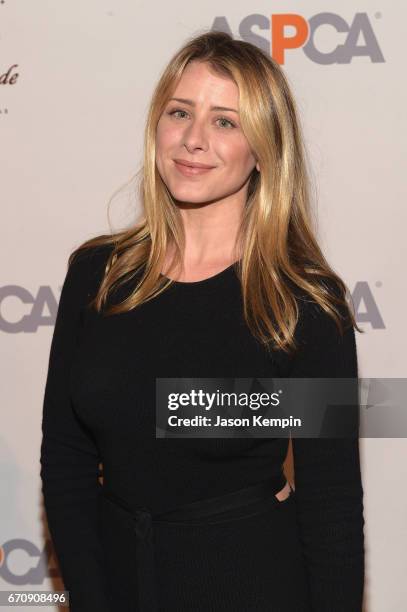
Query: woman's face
[{"x": 193, "y": 131}]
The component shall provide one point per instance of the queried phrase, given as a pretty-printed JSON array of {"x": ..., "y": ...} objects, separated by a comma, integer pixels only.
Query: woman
[{"x": 221, "y": 277}]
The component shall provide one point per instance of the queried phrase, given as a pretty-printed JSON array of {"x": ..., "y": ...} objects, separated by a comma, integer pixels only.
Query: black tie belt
[{"x": 213, "y": 508}]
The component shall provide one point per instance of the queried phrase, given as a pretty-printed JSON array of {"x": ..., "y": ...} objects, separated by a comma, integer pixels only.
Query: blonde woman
[{"x": 222, "y": 276}]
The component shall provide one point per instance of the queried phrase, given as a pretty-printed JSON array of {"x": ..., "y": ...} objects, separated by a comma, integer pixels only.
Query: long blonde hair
[{"x": 277, "y": 241}]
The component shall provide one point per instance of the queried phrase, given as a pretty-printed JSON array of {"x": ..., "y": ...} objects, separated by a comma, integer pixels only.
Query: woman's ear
[{"x": 257, "y": 167}]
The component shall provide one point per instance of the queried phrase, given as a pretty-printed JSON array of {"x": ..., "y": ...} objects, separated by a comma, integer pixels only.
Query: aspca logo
[
  {"x": 21, "y": 311},
  {"x": 32, "y": 562},
  {"x": 344, "y": 36},
  {"x": 32, "y": 308}
]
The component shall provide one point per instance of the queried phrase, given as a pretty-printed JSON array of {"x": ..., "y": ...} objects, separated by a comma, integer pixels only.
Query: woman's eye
[
  {"x": 174, "y": 112},
  {"x": 227, "y": 121}
]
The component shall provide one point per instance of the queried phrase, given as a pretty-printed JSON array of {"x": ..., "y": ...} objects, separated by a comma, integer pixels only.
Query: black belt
[{"x": 213, "y": 507}]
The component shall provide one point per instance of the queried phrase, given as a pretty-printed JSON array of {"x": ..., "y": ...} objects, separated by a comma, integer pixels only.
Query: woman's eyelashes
[{"x": 179, "y": 110}]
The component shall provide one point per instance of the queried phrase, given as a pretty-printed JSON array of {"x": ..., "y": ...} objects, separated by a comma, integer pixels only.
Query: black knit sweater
[{"x": 99, "y": 407}]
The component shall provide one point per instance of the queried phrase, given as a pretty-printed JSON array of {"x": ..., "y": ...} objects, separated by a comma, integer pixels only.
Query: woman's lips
[{"x": 189, "y": 170}]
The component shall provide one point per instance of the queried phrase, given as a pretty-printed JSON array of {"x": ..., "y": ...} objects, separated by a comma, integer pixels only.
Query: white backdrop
[{"x": 75, "y": 84}]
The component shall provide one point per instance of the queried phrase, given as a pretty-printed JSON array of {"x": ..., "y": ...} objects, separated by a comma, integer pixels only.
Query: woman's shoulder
[
  {"x": 90, "y": 258},
  {"x": 322, "y": 347},
  {"x": 86, "y": 268},
  {"x": 310, "y": 309}
]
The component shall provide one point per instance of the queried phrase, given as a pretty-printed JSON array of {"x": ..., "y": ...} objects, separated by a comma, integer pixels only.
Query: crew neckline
[{"x": 205, "y": 281}]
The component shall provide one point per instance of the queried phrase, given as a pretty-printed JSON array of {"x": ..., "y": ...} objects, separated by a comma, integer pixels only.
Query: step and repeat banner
[{"x": 75, "y": 86}]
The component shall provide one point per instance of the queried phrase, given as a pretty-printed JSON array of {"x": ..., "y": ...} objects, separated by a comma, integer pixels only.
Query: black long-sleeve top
[{"x": 99, "y": 408}]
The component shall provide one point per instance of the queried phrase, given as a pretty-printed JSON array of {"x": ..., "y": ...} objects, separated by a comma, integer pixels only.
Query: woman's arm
[
  {"x": 328, "y": 486},
  {"x": 69, "y": 459}
]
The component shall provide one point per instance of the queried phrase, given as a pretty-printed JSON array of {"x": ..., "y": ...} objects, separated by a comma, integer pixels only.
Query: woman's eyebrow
[{"x": 216, "y": 108}]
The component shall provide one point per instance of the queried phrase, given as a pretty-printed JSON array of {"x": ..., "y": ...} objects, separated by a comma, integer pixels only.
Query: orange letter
[{"x": 279, "y": 43}]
